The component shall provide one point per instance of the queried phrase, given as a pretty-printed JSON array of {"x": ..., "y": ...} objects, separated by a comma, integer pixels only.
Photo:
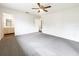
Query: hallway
[{"x": 9, "y": 46}]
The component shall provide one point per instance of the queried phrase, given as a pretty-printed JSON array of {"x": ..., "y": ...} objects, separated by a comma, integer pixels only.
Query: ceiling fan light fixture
[{"x": 41, "y": 10}]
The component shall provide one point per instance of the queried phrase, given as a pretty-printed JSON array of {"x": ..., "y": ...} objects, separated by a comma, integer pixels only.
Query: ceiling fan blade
[
  {"x": 38, "y": 4},
  {"x": 35, "y": 8},
  {"x": 45, "y": 10},
  {"x": 47, "y": 7}
]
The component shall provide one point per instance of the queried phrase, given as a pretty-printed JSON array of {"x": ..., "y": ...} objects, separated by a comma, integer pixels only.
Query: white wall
[
  {"x": 63, "y": 23},
  {"x": 24, "y": 23}
]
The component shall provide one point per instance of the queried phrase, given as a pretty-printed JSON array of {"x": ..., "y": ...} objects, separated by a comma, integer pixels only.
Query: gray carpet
[{"x": 41, "y": 44}]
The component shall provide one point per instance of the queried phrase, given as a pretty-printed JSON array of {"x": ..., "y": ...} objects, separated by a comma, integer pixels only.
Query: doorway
[{"x": 8, "y": 24}]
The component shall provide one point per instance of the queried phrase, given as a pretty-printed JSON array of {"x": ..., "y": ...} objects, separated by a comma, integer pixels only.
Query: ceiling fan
[{"x": 41, "y": 7}]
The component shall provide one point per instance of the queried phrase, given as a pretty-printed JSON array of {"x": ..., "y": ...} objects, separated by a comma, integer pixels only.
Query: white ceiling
[{"x": 27, "y": 7}]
